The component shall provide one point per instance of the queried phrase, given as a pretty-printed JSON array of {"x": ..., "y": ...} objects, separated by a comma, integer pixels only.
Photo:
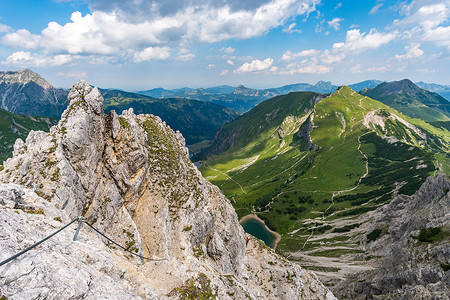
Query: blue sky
[{"x": 142, "y": 44}]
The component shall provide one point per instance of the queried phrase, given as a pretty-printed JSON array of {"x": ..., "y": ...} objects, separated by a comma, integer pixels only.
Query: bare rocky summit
[{"x": 129, "y": 176}]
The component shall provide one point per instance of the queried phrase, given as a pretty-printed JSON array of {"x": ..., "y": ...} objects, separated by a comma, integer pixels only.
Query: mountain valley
[{"x": 315, "y": 168}]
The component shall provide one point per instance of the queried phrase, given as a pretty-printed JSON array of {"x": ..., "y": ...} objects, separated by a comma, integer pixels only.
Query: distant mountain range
[
  {"x": 26, "y": 92},
  {"x": 443, "y": 90},
  {"x": 242, "y": 98},
  {"x": 196, "y": 120}
]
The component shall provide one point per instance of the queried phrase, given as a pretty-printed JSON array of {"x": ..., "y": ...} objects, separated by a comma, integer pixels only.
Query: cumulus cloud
[
  {"x": 230, "y": 62},
  {"x": 255, "y": 66},
  {"x": 26, "y": 59},
  {"x": 224, "y": 72},
  {"x": 425, "y": 21},
  {"x": 314, "y": 61},
  {"x": 335, "y": 23},
  {"x": 412, "y": 51},
  {"x": 356, "y": 41},
  {"x": 4, "y": 28},
  {"x": 22, "y": 38},
  {"x": 152, "y": 53},
  {"x": 149, "y": 29}
]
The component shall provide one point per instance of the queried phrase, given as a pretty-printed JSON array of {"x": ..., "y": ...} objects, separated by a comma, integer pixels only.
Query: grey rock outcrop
[
  {"x": 129, "y": 176},
  {"x": 413, "y": 265}
]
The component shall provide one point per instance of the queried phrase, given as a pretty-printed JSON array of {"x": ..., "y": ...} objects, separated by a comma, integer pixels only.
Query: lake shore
[{"x": 255, "y": 217}]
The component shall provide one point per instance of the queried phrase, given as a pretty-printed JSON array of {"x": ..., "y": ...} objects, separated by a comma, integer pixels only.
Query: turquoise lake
[{"x": 258, "y": 229}]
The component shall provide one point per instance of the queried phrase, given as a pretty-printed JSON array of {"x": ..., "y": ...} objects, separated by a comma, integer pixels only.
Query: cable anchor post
[{"x": 80, "y": 221}]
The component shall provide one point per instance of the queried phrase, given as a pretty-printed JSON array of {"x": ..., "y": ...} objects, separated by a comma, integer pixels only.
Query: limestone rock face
[
  {"x": 413, "y": 266},
  {"x": 129, "y": 176}
]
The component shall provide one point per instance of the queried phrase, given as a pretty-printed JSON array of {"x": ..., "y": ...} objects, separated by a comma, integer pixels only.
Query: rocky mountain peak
[
  {"x": 130, "y": 177},
  {"x": 405, "y": 85},
  {"x": 242, "y": 90},
  {"x": 23, "y": 77},
  {"x": 26, "y": 92}
]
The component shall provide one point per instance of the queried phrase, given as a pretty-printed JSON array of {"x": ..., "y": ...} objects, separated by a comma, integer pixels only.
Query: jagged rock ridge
[{"x": 129, "y": 176}]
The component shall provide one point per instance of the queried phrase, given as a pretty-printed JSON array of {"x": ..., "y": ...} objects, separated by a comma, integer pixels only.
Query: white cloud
[
  {"x": 335, "y": 23},
  {"x": 183, "y": 55},
  {"x": 211, "y": 66},
  {"x": 425, "y": 22},
  {"x": 228, "y": 50},
  {"x": 224, "y": 72},
  {"x": 412, "y": 51},
  {"x": 230, "y": 62},
  {"x": 22, "y": 38},
  {"x": 288, "y": 55},
  {"x": 358, "y": 42},
  {"x": 151, "y": 53},
  {"x": 255, "y": 66},
  {"x": 291, "y": 28},
  {"x": 4, "y": 28},
  {"x": 306, "y": 67},
  {"x": 27, "y": 59},
  {"x": 157, "y": 26},
  {"x": 331, "y": 57},
  {"x": 73, "y": 74},
  {"x": 375, "y": 8}
]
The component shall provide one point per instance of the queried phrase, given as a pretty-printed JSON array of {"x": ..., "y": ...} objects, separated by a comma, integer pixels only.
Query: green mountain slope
[
  {"x": 411, "y": 100},
  {"x": 13, "y": 126},
  {"x": 291, "y": 162},
  {"x": 196, "y": 120}
]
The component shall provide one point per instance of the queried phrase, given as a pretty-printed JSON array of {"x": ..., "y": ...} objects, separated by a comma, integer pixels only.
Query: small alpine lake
[{"x": 256, "y": 227}]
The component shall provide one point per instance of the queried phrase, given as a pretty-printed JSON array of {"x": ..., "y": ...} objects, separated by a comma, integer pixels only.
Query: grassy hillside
[
  {"x": 411, "y": 100},
  {"x": 361, "y": 152},
  {"x": 196, "y": 120},
  {"x": 14, "y": 126}
]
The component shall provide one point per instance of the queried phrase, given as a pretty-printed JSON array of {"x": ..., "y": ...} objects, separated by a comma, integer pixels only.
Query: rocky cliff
[
  {"x": 129, "y": 176},
  {"x": 411, "y": 238}
]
